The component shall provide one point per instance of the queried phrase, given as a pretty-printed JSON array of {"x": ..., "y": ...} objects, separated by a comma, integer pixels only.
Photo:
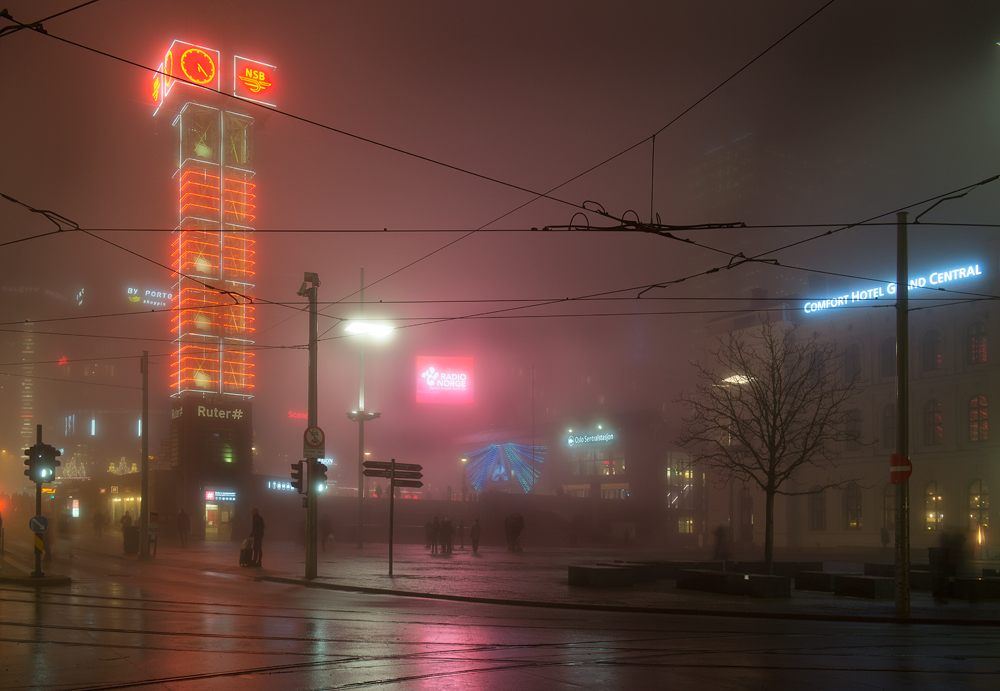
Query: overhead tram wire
[
  {"x": 4, "y": 14},
  {"x": 939, "y": 197},
  {"x": 299, "y": 118},
  {"x": 509, "y": 231},
  {"x": 652, "y": 137}
]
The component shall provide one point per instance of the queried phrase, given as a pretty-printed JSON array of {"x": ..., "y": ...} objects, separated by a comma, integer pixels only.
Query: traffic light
[
  {"x": 297, "y": 476},
  {"x": 41, "y": 463},
  {"x": 319, "y": 481}
]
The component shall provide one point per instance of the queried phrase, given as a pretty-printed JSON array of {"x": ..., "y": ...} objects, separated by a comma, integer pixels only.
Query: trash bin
[
  {"x": 130, "y": 536},
  {"x": 940, "y": 568}
]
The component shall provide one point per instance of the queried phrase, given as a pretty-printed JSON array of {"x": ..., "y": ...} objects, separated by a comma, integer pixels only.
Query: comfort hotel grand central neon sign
[{"x": 932, "y": 280}]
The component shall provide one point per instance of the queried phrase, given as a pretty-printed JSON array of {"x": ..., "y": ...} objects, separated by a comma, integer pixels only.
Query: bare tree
[{"x": 775, "y": 405}]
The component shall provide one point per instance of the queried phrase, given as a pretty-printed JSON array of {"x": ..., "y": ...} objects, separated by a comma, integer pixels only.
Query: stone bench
[
  {"x": 821, "y": 581},
  {"x": 601, "y": 576},
  {"x": 870, "y": 587},
  {"x": 974, "y": 589},
  {"x": 668, "y": 570},
  {"x": 643, "y": 573},
  {"x": 778, "y": 568},
  {"x": 753, "y": 585}
]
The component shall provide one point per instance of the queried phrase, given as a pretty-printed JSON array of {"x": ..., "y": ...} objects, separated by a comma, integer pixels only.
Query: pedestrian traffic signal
[
  {"x": 297, "y": 476},
  {"x": 319, "y": 481},
  {"x": 41, "y": 463}
]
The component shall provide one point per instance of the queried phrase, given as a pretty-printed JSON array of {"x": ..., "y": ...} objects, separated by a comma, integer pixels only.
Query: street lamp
[
  {"x": 360, "y": 416},
  {"x": 465, "y": 487}
]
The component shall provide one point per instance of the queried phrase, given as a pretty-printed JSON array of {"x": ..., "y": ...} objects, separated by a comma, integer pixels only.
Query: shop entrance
[{"x": 218, "y": 522}]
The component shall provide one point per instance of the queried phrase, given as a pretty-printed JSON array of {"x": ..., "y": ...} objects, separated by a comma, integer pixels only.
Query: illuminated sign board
[
  {"x": 935, "y": 279},
  {"x": 283, "y": 486},
  {"x": 149, "y": 298},
  {"x": 254, "y": 80},
  {"x": 298, "y": 416},
  {"x": 596, "y": 438},
  {"x": 186, "y": 62},
  {"x": 444, "y": 380},
  {"x": 217, "y": 495}
]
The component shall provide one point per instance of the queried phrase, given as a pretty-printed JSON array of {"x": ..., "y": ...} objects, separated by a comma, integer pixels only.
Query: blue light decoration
[{"x": 497, "y": 462}]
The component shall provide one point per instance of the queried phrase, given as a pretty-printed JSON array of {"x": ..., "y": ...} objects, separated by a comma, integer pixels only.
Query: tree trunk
[{"x": 769, "y": 532}]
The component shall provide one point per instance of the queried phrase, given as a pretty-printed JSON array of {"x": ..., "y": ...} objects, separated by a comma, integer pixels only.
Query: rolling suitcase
[{"x": 246, "y": 552}]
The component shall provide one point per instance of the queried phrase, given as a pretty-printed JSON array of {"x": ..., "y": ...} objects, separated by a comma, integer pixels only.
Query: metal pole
[
  {"x": 533, "y": 476},
  {"x": 312, "y": 496},
  {"x": 902, "y": 418},
  {"x": 392, "y": 506},
  {"x": 144, "y": 444},
  {"x": 361, "y": 428},
  {"x": 39, "y": 537}
]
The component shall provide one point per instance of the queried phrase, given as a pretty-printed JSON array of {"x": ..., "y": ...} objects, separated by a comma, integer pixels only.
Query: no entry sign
[{"x": 900, "y": 469}]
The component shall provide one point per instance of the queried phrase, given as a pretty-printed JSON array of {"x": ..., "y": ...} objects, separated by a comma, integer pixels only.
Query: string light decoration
[{"x": 498, "y": 462}]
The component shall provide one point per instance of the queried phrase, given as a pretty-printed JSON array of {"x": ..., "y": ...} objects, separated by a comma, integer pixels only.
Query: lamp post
[
  {"x": 360, "y": 415},
  {"x": 465, "y": 487}
]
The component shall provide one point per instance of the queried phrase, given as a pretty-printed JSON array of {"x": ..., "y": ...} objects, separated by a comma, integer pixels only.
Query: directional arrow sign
[
  {"x": 369, "y": 472},
  {"x": 407, "y": 483},
  {"x": 408, "y": 475},
  {"x": 399, "y": 466}
]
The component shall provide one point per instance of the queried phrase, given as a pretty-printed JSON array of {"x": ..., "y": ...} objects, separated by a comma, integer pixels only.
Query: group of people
[{"x": 441, "y": 535}]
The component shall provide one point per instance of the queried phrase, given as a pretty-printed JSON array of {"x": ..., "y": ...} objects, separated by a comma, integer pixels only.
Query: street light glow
[{"x": 370, "y": 328}]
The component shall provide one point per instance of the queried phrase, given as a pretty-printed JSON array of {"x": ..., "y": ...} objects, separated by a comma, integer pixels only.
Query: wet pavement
[
  {"x": 531, "y": 577},
  {"x": 191, "y": 618}
]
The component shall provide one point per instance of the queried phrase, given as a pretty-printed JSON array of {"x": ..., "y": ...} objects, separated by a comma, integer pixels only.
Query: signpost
[
  {"x": 395, "y": 472},
  {"x": 900, "y": 468},
  {"x": 314, "y": 443}
]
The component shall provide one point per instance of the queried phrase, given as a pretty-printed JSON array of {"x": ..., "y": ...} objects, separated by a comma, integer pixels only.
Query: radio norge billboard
[{"x": 444, "y": 379}]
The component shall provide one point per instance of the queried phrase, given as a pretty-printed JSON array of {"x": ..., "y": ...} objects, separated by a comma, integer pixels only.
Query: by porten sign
[
  {"x": 444, "y": 380},
  {"x": 935, "y": 279}
]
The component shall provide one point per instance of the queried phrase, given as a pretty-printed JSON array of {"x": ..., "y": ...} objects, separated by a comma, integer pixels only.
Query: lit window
[
  {"x": 933, "y": 507},
  {"x": 979, "y": 506},
  {"x": 932, "y": 357},
  {"x": 978, "y": 420},
  {"x": 933, "y": 423},
  {"x": 852, "y": 507},
  {"x": 976, "y": 344}
]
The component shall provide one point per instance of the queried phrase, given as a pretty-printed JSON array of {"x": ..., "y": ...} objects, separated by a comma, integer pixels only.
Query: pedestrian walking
[
  {"x": 428, "y": 529},
  {"x": 435, "y": 531},
  {"x": 461, "y": 533},
  {"x": 183, "y": 526},
  {"x": 326, "y": 529},
  {"x": 126, "y": 520},
  {"x": 257, "y": 533},
  {"x": 98, "y": 523},
  {"x": 474, "y": 533},
  {"x": 447, "y": 532}
]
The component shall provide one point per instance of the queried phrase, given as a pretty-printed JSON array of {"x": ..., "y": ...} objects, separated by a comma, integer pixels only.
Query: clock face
[{"x": 198, "y": 66}]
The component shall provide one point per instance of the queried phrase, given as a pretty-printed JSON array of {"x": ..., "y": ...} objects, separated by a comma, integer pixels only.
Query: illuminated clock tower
[{"x": 212, "y": 375}]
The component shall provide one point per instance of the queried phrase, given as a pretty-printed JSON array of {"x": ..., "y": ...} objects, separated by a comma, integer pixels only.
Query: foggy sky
[{"x": 866, "y": 108}]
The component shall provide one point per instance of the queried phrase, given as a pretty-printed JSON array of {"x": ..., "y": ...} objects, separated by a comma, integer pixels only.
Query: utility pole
[
  {"x": 902, "y": 417},
  {"x": 144, "y": 468},
  {"x": 312, "y": 494}
]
